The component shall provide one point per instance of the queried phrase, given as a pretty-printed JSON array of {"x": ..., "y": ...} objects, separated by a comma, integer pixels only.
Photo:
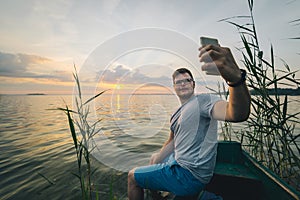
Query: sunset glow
[{"x": 41, "y": 58}]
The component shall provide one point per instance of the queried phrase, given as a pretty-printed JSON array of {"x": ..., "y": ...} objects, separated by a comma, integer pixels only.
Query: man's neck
[{"x": 184, "y": 100}]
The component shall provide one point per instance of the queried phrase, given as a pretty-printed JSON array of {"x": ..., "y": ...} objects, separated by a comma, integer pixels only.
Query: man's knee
[{"x": 131, "y": 179}]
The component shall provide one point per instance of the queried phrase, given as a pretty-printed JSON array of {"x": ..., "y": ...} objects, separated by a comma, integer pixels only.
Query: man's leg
[
  {"x": 167, "y": 176},
  {"x": 134, "y": 191}
]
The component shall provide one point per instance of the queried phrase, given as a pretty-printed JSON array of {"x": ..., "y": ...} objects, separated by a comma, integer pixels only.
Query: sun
[{"x": 118, "y": 87}]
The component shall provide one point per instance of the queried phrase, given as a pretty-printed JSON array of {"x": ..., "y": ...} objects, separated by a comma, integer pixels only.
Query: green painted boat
[{"x": 239, "y": 176}]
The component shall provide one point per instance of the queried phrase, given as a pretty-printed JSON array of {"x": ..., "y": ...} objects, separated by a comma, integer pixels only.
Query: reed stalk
[
  {"x": 82, "y": 131},
  {"x": 269, "y": 134}
]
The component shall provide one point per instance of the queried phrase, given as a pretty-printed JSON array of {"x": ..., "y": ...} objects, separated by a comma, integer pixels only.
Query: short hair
[{"x": 182, "y": 71}]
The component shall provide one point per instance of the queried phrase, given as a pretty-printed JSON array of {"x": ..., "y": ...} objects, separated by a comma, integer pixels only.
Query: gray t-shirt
[{"x": 195, "y": 136}]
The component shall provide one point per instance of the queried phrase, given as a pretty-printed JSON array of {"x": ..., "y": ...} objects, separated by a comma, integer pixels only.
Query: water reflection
[
  {"x": 33, "y": 141},
  {"x": 37, "y": 141},
  {"x": 118, "y": 103},
  {"x": 134, "y": 122}
]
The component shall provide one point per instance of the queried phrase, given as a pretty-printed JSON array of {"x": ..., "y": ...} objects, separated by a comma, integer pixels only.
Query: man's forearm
[
  {"x": 165, "y": 151},
  {"x": 238, "y": 106}
]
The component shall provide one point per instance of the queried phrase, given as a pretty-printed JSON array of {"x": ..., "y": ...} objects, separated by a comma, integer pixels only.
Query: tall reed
[
  {"x": 82, "y": 131},
  {"x": 270, "y": 132}
]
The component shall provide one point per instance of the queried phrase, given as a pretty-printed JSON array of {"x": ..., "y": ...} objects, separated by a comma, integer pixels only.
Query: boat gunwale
[{"x": 271, "y": 175}]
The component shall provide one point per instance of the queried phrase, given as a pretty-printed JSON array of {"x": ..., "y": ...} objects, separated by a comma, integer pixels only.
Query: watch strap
[{"x": 242, "y": 80}]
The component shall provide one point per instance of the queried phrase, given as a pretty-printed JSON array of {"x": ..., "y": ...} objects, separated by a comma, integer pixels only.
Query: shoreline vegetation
[
  {"x": 269, "y": 136},
  {"x": 279, "y": 91}
]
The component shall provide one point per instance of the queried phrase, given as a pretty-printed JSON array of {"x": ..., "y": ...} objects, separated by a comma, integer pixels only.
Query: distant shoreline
[
  {"x": 280, "y": 91},
  {"x": 35, "y": 94}
]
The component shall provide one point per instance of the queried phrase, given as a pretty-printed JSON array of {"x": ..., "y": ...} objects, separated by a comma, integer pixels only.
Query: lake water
[{"x": 38, "y": 158}]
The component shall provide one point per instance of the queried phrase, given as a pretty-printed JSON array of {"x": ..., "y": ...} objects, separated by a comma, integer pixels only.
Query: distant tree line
[{"x": 280, "y": 91}]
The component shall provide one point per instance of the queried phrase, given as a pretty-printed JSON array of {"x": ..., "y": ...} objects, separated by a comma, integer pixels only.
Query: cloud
[
  {"x": 30, "y": 66},
  {"x": 124, "y": 75},
  {"x": 12, "y": 65}
]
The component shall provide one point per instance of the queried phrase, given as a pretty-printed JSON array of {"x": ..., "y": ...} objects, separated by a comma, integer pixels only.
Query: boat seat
[
  {"x": 233, "y": 179},
  {"x": 234, "y": 169}
]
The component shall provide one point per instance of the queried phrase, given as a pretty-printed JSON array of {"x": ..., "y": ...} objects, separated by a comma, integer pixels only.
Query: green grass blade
[
  {"x": 72, "y": 128},
  {"x": 80, "y": 155},
  {"x": 250, "y": 4},
  {"x": 295, "y": 38},
  {"x": 240, "y": 26},
  {"x": 246, "y": 45},
  {"x": 280, "y": 78},
  {"x": 272, "y": 60},
  {"x": 94, "y": 97},
  {"x": 65, "y": 110},
  {"x": 75, "y": 75},
  {"x": 293, "y": 80},
  {"x": 284, "y": 109},
  {"x": 285, "y": 65},
  {"x": 75, "y": 175},
  {"x": 234, "y": 17},
  {"x": 47, "y": 179}
]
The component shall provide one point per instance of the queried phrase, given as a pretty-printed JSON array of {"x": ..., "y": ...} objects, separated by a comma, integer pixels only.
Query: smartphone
[
  {"x": 206, "y": 41},
  {"x": 213, "y": 70}
]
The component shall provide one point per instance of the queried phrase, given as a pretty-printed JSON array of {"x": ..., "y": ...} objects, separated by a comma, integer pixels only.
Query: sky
[{"x": 127, "y": 46}]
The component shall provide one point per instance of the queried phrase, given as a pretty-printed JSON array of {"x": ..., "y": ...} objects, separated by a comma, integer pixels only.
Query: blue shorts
[{"x": 168, "y": 176}]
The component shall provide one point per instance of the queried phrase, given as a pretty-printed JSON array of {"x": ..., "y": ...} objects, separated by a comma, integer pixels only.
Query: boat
[{"x": 238, "y": 176}]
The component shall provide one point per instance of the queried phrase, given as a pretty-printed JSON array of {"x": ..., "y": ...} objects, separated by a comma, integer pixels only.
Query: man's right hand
[{"x": 154, "y": 158}]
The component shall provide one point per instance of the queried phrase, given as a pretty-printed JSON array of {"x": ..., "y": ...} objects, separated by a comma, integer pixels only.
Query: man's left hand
[{"x": 219, "y": 60}]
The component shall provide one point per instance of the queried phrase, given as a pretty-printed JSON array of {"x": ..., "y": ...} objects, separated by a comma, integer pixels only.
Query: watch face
[
  {"x": 244, "y": 73},
  {"x": 242, "y": 80}
]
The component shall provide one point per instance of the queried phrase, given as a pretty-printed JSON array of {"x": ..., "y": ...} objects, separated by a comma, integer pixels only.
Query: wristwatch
[{"x": 242, "y": 80}]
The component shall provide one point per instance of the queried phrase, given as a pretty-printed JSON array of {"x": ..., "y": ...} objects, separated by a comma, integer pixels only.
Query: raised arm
[{"x": 220, "y": 59}]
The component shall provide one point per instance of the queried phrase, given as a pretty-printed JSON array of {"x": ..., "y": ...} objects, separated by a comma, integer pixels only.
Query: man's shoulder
[
  {"x": 202, "y": 94},
  {"x": 206, "y": 95}
]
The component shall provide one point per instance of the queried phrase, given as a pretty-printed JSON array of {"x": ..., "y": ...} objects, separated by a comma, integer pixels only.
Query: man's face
[{"x": 184, "y": 86}]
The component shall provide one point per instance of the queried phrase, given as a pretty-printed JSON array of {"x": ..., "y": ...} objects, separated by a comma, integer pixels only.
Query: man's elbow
[{"x": 241, "y": 117}]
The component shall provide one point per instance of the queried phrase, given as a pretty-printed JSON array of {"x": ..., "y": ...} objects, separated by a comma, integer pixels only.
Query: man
[{"x": 186, "y": 161}]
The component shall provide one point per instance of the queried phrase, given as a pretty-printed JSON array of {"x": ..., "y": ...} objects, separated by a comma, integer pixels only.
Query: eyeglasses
[{"x": 184, "y": 81}]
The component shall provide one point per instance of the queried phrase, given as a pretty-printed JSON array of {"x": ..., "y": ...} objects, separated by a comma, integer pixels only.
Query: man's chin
[{"x": 185, "y": 95}]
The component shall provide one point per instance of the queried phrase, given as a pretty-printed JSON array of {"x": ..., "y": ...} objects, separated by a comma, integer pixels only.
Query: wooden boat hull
[{"x": 237, "y": 175}]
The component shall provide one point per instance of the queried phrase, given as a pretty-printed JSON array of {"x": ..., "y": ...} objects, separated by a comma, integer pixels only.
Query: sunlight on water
[
  {"x": 33, "y": 141},
  {"x": 135, "y": 126},
  {"x": 36, "y": 142}
]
